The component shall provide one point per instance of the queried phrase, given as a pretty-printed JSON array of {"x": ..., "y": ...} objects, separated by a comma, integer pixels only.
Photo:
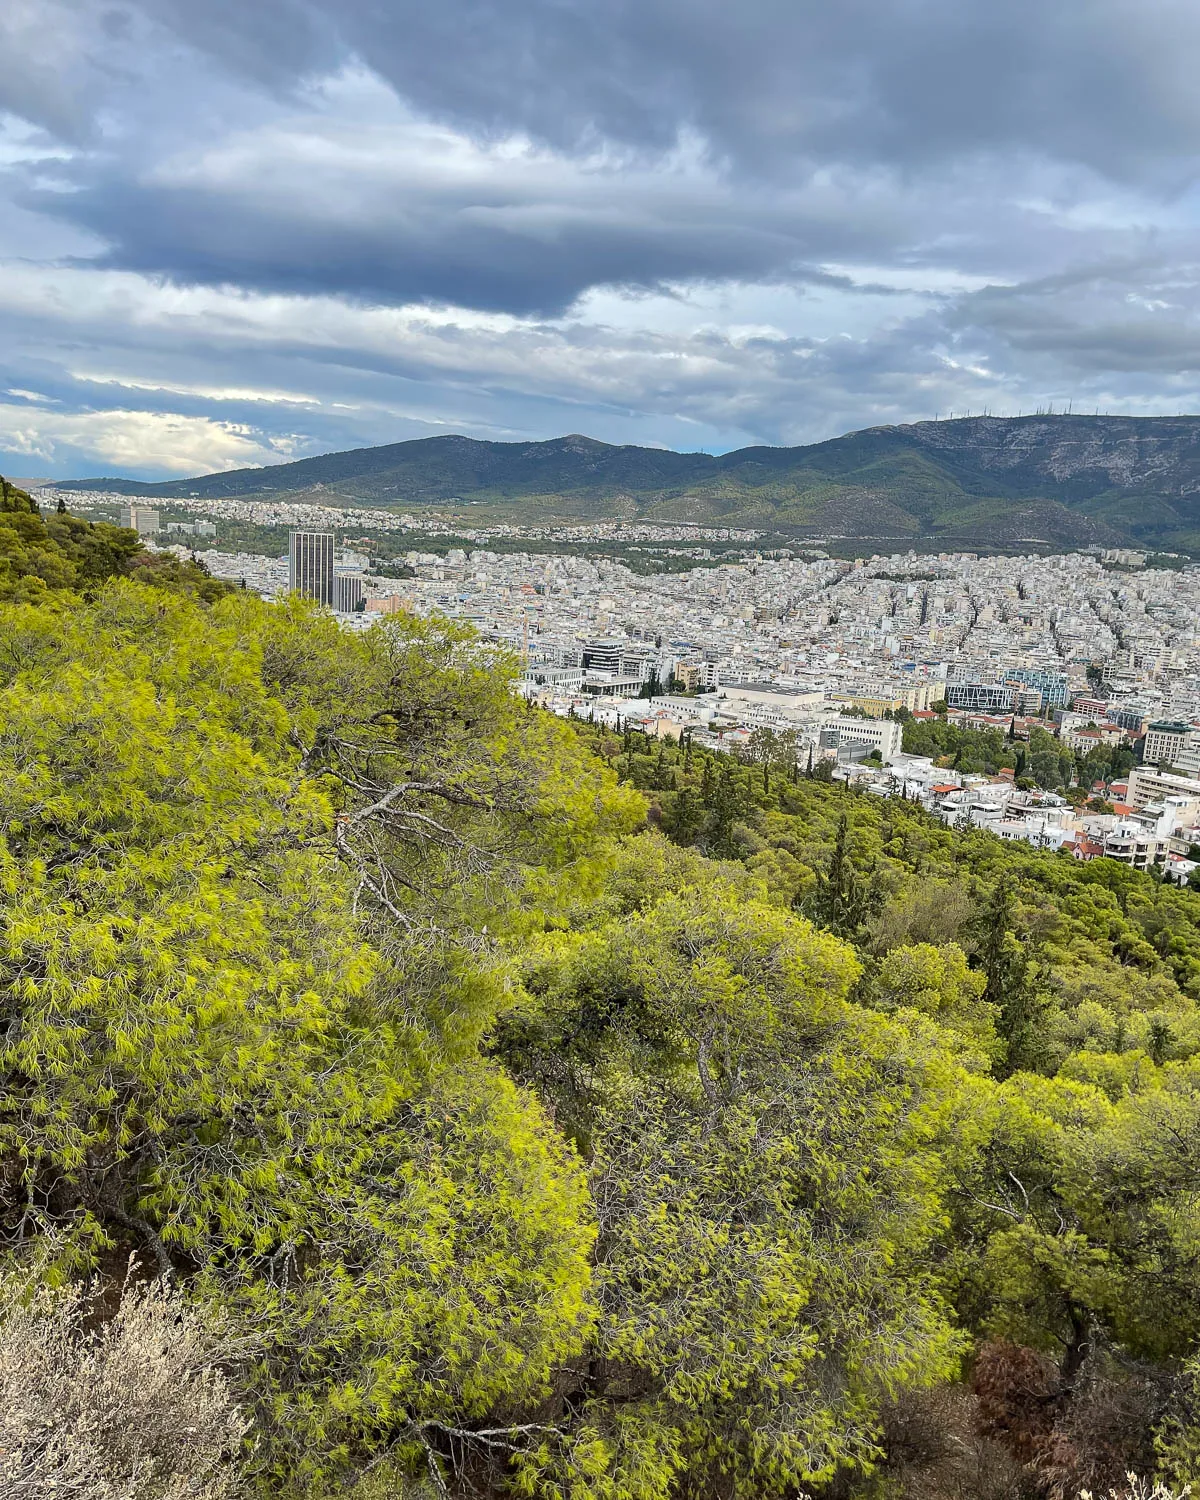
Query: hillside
[
  {"x": 981, "y": 480},
  {"x": 408, "y": 1093},
  {"x": 43, "y": 558}
]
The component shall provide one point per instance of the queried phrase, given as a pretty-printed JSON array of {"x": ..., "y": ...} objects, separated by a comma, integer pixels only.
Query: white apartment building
[
  {"x": 1132, "y": 845},
  {"x": 1148, "y": 784}
]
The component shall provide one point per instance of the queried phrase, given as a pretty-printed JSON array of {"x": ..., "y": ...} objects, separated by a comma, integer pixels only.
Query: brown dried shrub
[
  {"x": 935, "y": 1451},
  {"x": 1104, "y": 1431},
  {"x": 1015, "y": 1388},
  {"x": 131, "y": 1409}
]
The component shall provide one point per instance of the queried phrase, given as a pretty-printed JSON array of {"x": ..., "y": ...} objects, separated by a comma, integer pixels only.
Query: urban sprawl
[{"x": 808, "y": 660}]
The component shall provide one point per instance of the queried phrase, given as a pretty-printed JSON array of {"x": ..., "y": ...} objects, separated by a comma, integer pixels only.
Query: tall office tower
[
  {"x": 310, "y": 565},
  {"x": 349, "y": 593}
]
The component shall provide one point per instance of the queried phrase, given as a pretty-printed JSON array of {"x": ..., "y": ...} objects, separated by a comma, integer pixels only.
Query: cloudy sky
[{"x": 240, "y": 231}]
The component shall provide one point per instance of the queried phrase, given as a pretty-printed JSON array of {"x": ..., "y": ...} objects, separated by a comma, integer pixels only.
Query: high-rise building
[
  {"x": 310, "y": 565},
  {"x": 603, "y": 655},
  {"x": 144, "y": 519},
  {"x": 349, "y": 593}
]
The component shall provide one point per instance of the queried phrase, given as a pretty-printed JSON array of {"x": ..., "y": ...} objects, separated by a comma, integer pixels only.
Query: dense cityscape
[{"x": 817, "y": 659}]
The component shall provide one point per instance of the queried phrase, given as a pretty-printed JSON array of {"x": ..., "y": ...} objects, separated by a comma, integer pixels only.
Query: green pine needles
[{"x": 544, "y": 1113}]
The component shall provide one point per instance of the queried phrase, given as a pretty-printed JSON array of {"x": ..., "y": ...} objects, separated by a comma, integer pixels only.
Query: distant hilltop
[{"x": 987, "y": 481}]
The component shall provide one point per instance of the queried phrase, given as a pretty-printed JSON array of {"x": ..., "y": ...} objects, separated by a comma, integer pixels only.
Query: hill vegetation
[
  {"x": 982, "y": 481},
  {"x": 43, "y": 557},
  {"x": 499, "y": 1106}
]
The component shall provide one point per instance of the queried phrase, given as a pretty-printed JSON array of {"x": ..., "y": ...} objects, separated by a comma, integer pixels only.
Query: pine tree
[
  {"x": 1009, "y": 965},
  {"x": 841, "y": 901},
  {"x": 724, "y": 806},
  {"x": 686, "y": 817}
]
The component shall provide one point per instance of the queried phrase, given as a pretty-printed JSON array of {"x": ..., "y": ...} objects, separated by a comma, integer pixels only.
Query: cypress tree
[
  {"x": 841, "y": 901},
  {"x": 1009, "y": 966}
]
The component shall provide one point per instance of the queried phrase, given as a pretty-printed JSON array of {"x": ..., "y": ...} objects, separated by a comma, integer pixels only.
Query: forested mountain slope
[
  {"x": 499, "y": 1107},
  {"x": 996, "y": 481}
]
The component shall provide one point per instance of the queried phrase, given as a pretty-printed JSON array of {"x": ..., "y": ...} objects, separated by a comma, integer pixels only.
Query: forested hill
[
  {"x": 498, "y": 1107},
  {"x": 44, "y": 559},
  {"x": 994, "y": 481}
]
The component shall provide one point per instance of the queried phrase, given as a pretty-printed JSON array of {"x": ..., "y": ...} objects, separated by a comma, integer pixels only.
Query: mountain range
[{"x": 975, "y": 481}]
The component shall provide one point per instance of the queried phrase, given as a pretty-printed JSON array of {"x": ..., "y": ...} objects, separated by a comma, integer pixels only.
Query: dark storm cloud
[
  {"x": 517, "y": 246},
  {"x": 1106, "y": 82},
  {"x": 903, "y": 131}
]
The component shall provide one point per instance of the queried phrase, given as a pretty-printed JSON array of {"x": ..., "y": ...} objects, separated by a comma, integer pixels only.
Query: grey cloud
[
  {"x": 361, "y": 199},
  {"x": 373, "y": 376},
  {"x": 1120, "y": 320},
  {"x": 1104, "y": 82},
  {"x": 490, "y": 249}
]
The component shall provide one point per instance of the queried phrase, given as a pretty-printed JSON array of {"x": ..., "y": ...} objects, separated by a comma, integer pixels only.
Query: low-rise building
[
  {"x": 1132, "y": 845},
  {"x": 1148, "y": 784},
  {"x": 883, "y": 735},
  {"x": 1081, "y": 740}
]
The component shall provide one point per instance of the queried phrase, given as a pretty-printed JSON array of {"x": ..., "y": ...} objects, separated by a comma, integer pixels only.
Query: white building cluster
[{"x": 1101, "y": 651}]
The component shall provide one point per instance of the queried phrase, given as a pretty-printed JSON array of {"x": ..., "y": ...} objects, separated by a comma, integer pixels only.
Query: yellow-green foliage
[
  {"x": 204, "y": 1056},
  {"x": 762, "y": 1158},
  {"x": 525, "y": 1149}
]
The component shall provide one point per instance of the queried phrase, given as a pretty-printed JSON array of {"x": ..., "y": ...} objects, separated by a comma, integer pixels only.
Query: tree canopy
[
  {"x": 43, "y": 557},
  {"x": 543, "y": 1112}
]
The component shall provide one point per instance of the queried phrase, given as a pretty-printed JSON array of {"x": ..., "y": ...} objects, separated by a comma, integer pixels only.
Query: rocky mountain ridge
[{"x": 1051, "y": 480}]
